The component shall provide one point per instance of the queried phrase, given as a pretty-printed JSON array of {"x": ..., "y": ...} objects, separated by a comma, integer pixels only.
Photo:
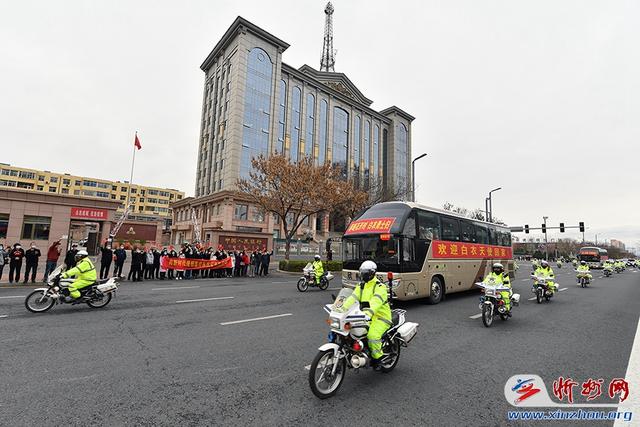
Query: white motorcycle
[
  {"x": 308, "y": 279},
  {"x": 492, "y": 304},
  {"x": 97, "y": 295},
  {"x": 347, "y": 346},
  {"x": 543, "y": 288}
]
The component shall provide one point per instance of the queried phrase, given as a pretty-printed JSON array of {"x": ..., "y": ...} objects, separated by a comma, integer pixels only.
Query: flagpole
[{"x": 133, "y": 162}]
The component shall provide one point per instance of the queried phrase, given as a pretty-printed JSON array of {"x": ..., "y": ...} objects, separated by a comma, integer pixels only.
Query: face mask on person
[
  {"x": 121, "y": 247},
  {"x": 18, "y": 247},
  {"x": 33, "y": 246}
]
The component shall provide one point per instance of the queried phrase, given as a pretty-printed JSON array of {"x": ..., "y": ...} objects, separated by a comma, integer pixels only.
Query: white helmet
[
  {"x": 368, "y": 270},
  {"x": 544, "y": 263},
  {"x": 497, "y": 266},
  {"x": 81, "y": 254},
  {"x": 317, "y": 257}
]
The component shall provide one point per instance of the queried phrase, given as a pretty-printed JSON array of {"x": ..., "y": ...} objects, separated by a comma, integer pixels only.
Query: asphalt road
[{"x": 165, "y": 353}]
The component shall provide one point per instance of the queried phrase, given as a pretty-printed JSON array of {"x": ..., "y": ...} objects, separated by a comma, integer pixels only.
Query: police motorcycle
[
  {"x": 607, "y": 270},
  {"x": 308, "y": 279},
  {"x": 97, "y": 295},
  {"x": 618, "y": 267},
  {"x": 582, "y": 278},
  {"x": 543, "y": 288},
  {"x": 492, "y": 304},
  {"x": 347, "y": 346},
  {"x": 559, "y": 264}
]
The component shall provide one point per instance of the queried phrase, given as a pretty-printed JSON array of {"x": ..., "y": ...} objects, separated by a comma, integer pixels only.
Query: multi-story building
[
  {"x": 146, "y": 201},
  {"x": 617, "y": 244},
  {"x": 254, "y": 103}
]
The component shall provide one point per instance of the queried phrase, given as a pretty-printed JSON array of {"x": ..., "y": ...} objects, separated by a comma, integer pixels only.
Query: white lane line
[
  {"x": 632, "y": 377},
  {"x": 3, "y": 316},
  {"x": 176, "y": 287},
  {"x": 308, "y": 367},
  {"x": 202, "y": 299},
  {"x": 531, "y": 299},
  {"x": 562, "y": 289},
  {"x": 256, "y": 318},
  {"x": 14, "y": 296},
  {"x": 279, "y": 283},
  {"x": 525, "y": 280},
  {"x": 334, "y": 289},
  {"x": 476, "y": 316}
]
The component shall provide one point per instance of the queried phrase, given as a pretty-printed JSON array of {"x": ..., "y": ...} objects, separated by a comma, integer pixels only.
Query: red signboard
[
  {"x": 444, "y": 249},
  {"x": 134, "y": 232},
  {"x": 370, "y": 225},
  {"x": 194, "y": 264},
  {"x": 242, "y": 243},
  {"x": 89, "y": 213}
]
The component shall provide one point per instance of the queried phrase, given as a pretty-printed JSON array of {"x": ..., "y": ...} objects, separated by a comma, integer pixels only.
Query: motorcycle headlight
[{"x": 334, "y": 323}]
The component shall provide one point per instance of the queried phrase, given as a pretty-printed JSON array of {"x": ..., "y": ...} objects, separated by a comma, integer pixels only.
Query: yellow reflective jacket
[
  {"x": 583, "y": 268},
  {"x": 317, "y": 268},
  {"x": 84, "y": 270},
  {"x": 544, "y": 272},
  {"x": 374, "y": 300},
  {"x": 497, "y": 279}
]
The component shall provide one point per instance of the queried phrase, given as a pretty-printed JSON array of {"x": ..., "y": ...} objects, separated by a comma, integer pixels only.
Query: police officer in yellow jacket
[
  {"x": 374, "y": 302},
  {"x": 318, "y": 269},
  {"x": 545, "y": 270},
  {"x": 499, "y": 278},
  {"x": 85, "y": 273}
]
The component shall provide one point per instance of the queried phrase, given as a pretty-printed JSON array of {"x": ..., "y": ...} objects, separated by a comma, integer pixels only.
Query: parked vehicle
[
  {"x": 347, "y": 346},
  {"x": 97, "y": 295}
]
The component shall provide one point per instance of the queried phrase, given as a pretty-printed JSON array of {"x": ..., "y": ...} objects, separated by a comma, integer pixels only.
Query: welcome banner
[{"x": 194, "y": 264}]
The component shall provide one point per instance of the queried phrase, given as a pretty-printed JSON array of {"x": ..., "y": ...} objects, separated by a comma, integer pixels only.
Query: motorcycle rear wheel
[
  {"x": 487, "y": 315},
  {"x": 35, "y": 303},
  {"x": 101, "y": 302},
  {"x": 302, "y": 285},
  {"x": 321, "y": 367},
  {"x": 392, "y": 360},
  {"x": 324, "y": 284}
]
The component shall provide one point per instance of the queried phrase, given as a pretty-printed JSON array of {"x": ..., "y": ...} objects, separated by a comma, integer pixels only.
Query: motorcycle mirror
[{"x": 333, "y": 297}]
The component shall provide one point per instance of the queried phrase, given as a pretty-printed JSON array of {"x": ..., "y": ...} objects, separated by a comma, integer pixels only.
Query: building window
[
  {"x": 340, "y": 140},
  {"x": 54, "y": 179},
  {"x": 40, "y": 188},
  {"x": 367, "y": 152},
  {"x": 78, "y": 182},
  {"x": 257, "y": 105},
  {"x": 123, "y": 188},
  {"x": 241, "y": 212},
  {"x": 296, "y": 103},
  {"x": 40, "y": 177},
  {"x": 376, "y": 151},
  {"x": 4, "y": 225},
  {"x": 65, "y": 191},
  {"x": 356, "y": 150},
  {"x": 258, "y": 214},
  {"x": 25, "y": 185},
  {"x": 36, "y": 227},
  {"x": 310, "y": 125},
  {"x": 66, "y": 181},
  {"x": 282, "y": 117},
  {"x": 401, "y": 152},
  {"x": 52, "y": 189},
  {"x": 88, "y": 183},
  {"x": 27, "y": 175},
  {"x": 322, "y": 143}
]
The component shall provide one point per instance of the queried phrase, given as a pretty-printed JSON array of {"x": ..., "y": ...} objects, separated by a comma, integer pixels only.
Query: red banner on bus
[
  {"x": 370, "y": 225},
  {"x": 444, "y": 249},
  {"x": 194, "y": 264}
]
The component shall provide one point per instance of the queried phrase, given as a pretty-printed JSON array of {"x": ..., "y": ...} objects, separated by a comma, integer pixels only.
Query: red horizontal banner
[
  {"x": 444, "y": 249},
  {"x": 89, "y": 213},
  {"x": 194, "y": 264},
  {"x": 370, "y": 225}
]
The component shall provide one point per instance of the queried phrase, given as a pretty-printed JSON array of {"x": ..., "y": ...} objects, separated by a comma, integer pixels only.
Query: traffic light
[
  {"x": 562, "y": 227},
  {"x": 526, "y": 228},
  {"x": 544, "y": 228},
  {"x": 581, "y": 224}
]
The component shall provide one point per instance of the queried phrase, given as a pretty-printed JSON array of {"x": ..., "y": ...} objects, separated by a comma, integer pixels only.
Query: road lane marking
[
  {"x": 531, "y": 299},
  {"x": 176, "y": 287},
  {"x": 308, "y": 367},
  {"x": 525, "y": 280},
  {"x": 562, "y": 289},
  {"x": 3, "y": 316},
  {"x": 476, "y": 316},
  {"x": 14, "y": 296},
  {"x": 632, "y": 377},
  {"x": 202, "y": 299},
  {"x": 255, "y": 319}
]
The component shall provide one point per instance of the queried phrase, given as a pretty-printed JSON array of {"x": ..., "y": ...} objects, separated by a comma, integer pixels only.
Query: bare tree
[
  {"x": 295, "y": 191},
  {"x": 474, "y": 214}
]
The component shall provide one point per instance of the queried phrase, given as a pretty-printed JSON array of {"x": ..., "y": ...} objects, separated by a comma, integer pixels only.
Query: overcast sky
[{"x": 541, "y": 98}]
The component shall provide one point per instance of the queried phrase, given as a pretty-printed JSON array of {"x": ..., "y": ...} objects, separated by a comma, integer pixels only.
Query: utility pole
[
  {"x": 546, "y": 243},
  {"x": 491, "y": 204}
]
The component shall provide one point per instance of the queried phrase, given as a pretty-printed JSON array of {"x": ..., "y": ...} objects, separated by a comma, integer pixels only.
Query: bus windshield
[{"x": 384, "y": 252}]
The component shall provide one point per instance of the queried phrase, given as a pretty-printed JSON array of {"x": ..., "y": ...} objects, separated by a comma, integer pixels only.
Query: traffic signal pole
[{"x": 546, "y": 243}]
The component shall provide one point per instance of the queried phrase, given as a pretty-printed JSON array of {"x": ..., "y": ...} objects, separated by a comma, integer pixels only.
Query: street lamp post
[
  {"x": 546, "y": 243},
  {"x": 413, "y": 176},
  {"x": 490, "y": 216}
]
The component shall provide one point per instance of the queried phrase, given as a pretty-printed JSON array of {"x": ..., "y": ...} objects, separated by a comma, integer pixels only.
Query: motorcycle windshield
[
  {"x": 57, "y": 271},
  {"x": 342, "y": 303}
]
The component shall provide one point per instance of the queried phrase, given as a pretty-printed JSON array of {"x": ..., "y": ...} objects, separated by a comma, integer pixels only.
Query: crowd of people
[{"x": 146, "y": 262}]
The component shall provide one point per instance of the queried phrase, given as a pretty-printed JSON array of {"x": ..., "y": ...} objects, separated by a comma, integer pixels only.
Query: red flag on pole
[{"x": 136, "y": 142}]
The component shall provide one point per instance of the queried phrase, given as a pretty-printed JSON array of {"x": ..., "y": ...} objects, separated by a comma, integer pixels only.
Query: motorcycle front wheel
[
  {"x": 38, "y": 302},
  {"x": 100, "y": 302},
  {"x": 487, "y": 315},
  {"x": 323, "y": 383},
  {"x": 539, "y": 296},
  {"x": 392, "y": 359},
  {"x": 302, "y": 285}
]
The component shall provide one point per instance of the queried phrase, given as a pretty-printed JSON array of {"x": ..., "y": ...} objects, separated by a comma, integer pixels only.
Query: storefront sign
[
  {"x": 194, "y": 264},
  {"x": 242, "y": 243},
  {"x": 444, "y": 249},
  {"x": 89, "y": 213},
  {"x": 370, "y": 225},
  {"x": 137, "y": 232}
]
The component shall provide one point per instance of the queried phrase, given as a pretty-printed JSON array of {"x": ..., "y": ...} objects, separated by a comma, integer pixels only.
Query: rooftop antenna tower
[{"x": 328, "y": 59}]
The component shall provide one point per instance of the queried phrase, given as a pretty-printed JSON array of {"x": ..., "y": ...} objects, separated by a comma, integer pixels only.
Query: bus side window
[
  {"x": 467, "y": 232},
  {"x": 450, "y": 229},
  {"x": 428, "y": 226},
  {"x": 482, "y": 235},
  {"x": 494, "y": 239},
  {"x": 410, "y": 226}
]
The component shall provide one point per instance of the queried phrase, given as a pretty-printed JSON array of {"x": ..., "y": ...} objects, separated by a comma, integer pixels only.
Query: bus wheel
[{"x": 435, "y": 291}]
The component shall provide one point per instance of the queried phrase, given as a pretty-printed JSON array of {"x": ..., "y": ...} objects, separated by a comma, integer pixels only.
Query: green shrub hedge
[{"x": 297, "y": 266}]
